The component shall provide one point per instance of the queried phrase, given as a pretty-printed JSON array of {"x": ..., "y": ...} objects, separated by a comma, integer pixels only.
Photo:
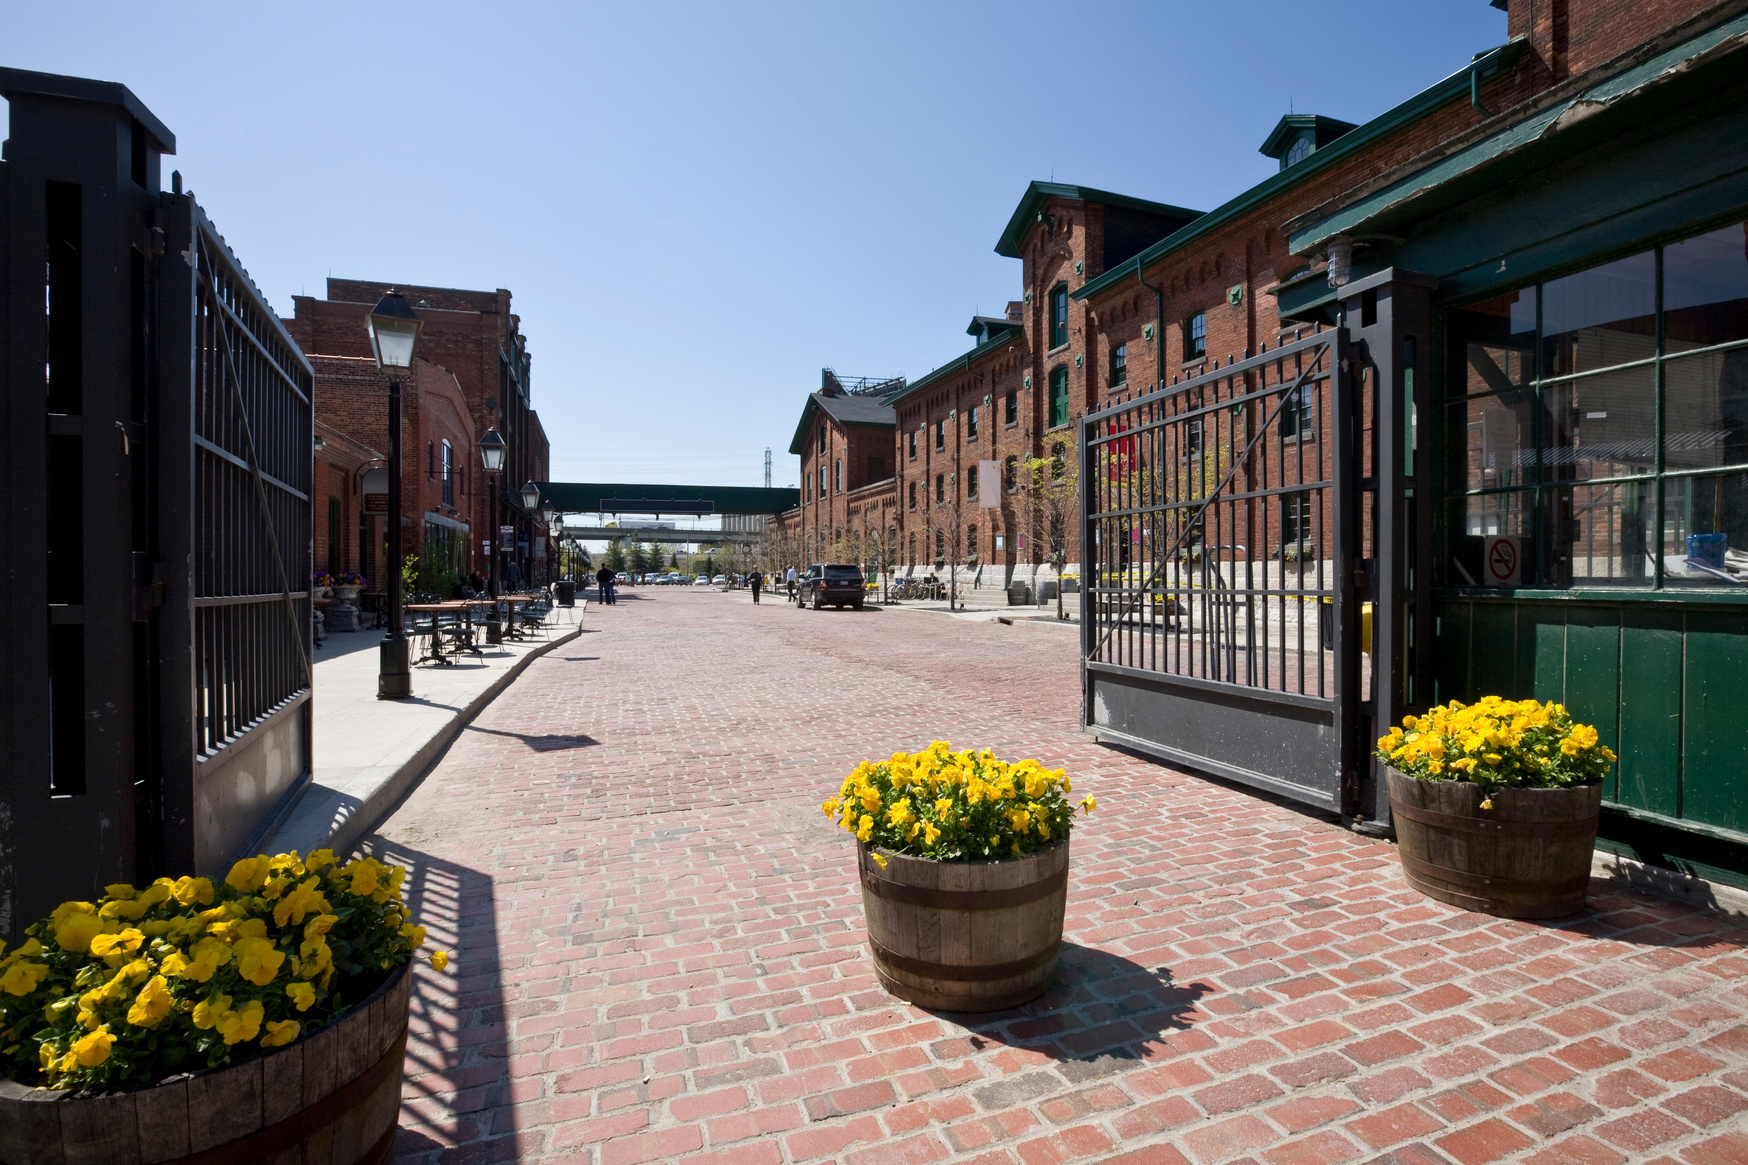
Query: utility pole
[{"x": 767, "y": 467}]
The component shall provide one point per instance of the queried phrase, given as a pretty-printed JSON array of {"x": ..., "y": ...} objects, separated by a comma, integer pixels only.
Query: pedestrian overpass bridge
[{"x": 665, "y": 501}]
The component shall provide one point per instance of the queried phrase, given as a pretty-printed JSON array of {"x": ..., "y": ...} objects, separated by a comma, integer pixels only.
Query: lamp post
[
  {"x": 531, "y": 505},
  {"x": 492, "y": 448},
  {"x": 393, "y": 329},
  {"x": 552, "y": 551}
]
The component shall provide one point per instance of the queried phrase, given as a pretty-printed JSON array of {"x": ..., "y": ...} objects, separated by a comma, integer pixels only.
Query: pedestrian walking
[
  {"x": 757, "y": 580},
  {"x": 792, "y": 584},
  {"x": 604, "y": 578}
]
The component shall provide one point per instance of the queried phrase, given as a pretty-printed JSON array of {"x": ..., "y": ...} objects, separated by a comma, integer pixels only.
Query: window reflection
[
  {"x": 1562, "y": 392},
  {"x": 1705, "y": 290},
  {"x": 1600, "y": 317},
  {"x": 1603, "y": 425},
  {"x": 1501, "y": 342},
  {"x": 1705, "y": 530}
]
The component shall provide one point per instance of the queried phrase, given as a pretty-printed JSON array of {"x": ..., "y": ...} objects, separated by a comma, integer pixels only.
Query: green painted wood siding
[{"x": 1666, "y": 685}]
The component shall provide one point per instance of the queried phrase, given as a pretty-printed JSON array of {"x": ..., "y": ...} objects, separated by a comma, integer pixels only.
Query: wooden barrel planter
[
  {"x": 331, "y": 1098},
  {"x": 965, "y": 936},
  {"x": 1527, "y": 857}
]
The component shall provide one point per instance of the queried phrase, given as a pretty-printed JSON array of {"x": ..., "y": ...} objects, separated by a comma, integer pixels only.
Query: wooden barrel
[
  {"x": 331, "y": 1098},
  {"x": 965, "y": 936},
  {"x": 1527, "y": 857}
]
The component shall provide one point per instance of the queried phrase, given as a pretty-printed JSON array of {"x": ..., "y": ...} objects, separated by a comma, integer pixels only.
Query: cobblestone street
[{"x": 659, "y": 953}]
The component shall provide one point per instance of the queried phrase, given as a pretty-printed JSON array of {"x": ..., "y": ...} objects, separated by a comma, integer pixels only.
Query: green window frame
[
  {"x": 1058, "y": 396},
  {"x": 1597, "y": 424},
  {"x": 1013, "y": 407},
  {"x": 1059, "y": 315},
  {"x": 1196, "y": 336}
]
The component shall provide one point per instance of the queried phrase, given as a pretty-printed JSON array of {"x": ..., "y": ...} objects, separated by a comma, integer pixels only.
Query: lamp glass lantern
[
  {"x": 530, "y": 497},
  {"x": 393, "y": 329},
  {"x": 492, "y": 448}
]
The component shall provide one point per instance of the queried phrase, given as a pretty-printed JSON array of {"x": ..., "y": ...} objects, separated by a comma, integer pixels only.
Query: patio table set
[{"x": 452, "y": 627}]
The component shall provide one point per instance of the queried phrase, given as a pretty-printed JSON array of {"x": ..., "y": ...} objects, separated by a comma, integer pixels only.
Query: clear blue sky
[{"x": 697, "y": 206}]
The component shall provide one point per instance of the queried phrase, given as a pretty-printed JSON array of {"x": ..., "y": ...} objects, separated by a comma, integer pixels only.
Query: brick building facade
[
  {"x": 1123, "y": 296},
  {"x": 473, "y": 374}
]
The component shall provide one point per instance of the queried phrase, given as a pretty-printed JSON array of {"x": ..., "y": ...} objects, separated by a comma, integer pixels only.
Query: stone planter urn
[{"x": 343, "y": 615}]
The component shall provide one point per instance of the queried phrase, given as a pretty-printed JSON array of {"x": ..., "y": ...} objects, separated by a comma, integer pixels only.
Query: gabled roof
[
  {"x": 845, "y": 410},
  {"x": 1327, "y": 129},
  {"x": 1033, "y": 202}
]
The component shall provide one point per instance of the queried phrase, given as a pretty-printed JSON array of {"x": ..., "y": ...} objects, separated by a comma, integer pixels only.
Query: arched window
[
  {"x": 1011, "y": 474},
  {"x": 940, "y": 545},
  {"x": 971, "y": 541}
]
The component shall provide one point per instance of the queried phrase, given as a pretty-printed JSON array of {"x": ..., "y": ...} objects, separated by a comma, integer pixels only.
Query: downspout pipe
[{"x": 1158, "y": 323}]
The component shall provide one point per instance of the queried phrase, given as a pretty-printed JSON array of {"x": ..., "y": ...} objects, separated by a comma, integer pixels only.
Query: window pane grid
[{"x": 1606, "y": 420}]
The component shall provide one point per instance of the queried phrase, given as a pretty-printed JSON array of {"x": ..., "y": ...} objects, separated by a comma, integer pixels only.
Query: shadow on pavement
[
  {"x": 1104, "y": 1014},
  {"x": 457, "y": 1084},
  {"x": 550, "y": 742}
]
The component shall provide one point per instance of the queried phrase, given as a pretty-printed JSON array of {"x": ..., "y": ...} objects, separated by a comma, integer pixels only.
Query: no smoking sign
[{"x": 1504, "y": 562}]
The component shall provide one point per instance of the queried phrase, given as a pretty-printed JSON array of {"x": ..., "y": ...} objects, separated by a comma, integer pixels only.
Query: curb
[{"x": 374, "y": 809}]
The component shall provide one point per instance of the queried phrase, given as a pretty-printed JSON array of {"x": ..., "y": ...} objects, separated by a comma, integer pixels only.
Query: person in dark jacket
[
  {"x": 757, "y": 581},
  {"x": 604, "y": 578}
]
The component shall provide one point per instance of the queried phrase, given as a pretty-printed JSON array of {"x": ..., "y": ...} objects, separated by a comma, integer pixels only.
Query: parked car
[
  {"x": 719, "y": 580},
  {"x": 702, "y": 580},
  {"x": 837, "y": 583},
  {"x": 622, "y": 577}
]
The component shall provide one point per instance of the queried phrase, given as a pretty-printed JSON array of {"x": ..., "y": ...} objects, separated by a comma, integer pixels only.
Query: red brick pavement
[{"x": 660, "y": 953}]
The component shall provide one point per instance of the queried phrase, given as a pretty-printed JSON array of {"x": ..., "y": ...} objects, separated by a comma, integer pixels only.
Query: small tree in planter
[
  {"x": 1496, "y": 804},
  {"x": 964, "y": 868}
]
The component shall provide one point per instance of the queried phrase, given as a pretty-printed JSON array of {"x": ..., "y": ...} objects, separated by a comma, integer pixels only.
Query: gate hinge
[{"x": 1360, "y": 579}]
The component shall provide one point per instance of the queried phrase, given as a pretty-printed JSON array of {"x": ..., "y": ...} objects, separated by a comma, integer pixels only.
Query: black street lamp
[
  {"x": 492, "y": 448},
  {"x": 531, "y": 505},
  {"x": 393, "y": 329}
]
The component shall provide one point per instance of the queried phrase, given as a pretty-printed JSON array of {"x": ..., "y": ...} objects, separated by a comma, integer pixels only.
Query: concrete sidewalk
[{"x": 368, "y": 752}]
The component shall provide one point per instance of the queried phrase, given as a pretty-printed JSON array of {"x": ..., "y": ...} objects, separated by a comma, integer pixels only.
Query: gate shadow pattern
[
  {"x": 1104, "y": 1014},
  {"x": 457, "y": 1085}
]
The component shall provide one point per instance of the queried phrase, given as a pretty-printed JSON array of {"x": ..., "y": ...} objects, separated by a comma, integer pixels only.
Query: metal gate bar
[{"x": 1216, "y": 538}]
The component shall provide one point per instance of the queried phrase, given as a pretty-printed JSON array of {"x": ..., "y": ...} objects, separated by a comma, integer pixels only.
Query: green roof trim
[
  {"x": 1451, "y": 176},
  {"x": 959, "y": 363},
  {"x": 1032, "y": 202},
  {"x": 1454, "y": 87}
]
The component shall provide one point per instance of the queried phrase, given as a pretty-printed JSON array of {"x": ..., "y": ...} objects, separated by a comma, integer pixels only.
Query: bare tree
[{"x": 1049, "y": 497}]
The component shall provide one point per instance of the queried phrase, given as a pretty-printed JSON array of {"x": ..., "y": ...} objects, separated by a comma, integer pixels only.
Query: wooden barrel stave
[
  {"x": 1527, "y": 857},
  {"x": 930, "y": 953},
  {"x": 195, "y": 1119}
]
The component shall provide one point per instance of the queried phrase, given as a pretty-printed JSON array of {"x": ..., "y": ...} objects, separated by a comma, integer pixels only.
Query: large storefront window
[{"x": 1598, "y": 425}]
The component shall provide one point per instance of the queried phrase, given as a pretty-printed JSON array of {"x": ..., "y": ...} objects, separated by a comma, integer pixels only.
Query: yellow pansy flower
[
  {"x": 249, "y": 875},
  {"x": 302, "y": 995},
  {"x": 439, "y": 961},
  {"x": 92, "y": 1048},
  {"x": 258, "y": 960},
  {"x": 280, "y": 1032},
  {"x": 152, "y": 1004},
  {"x": 21, "y": 978}
]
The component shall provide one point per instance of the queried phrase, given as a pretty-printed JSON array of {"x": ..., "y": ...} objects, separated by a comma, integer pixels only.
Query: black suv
[{"x": 834, "y": 583}]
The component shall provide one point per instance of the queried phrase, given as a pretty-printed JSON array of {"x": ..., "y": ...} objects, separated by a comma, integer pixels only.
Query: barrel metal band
[
  {"x": 1465, "y": 878},
  {"x": 963, "y": 974},
  {"x": 1485, "y": 825},
  {"x": 307, "y": 1122},
  {"x": 968, "y": 900}
]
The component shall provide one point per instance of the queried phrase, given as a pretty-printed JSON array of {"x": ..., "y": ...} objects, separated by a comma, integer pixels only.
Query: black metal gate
[
  {"x": 155, "y": 681},
  {"x": 1219, "y": 541}
]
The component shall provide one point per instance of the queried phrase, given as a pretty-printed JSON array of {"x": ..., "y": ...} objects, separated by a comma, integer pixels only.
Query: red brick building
[
  {"x": 844, "y": 439},
  {"x": 473, "y": 374}
]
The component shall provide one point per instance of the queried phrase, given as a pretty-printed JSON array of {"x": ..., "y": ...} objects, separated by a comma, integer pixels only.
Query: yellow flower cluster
[
  {"x": 1497, "y": 743},
  {"x": 955, "y": 806},
  {"x": 171, "y": 978}
]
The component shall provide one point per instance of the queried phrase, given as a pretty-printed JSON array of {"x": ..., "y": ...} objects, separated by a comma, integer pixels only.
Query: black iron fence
[{"x": 155, "y": 682}]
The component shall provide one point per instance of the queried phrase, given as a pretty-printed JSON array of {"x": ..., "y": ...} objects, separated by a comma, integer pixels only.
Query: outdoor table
[
  {"x": 513, "y": 630},
  {"x": 436, "y": 611}
]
